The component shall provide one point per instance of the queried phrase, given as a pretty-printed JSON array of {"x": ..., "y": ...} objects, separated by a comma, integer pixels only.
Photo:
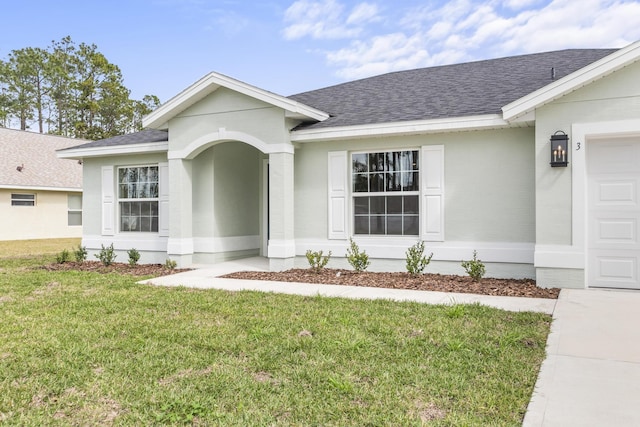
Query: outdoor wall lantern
[{"x": 559, "y": 149}]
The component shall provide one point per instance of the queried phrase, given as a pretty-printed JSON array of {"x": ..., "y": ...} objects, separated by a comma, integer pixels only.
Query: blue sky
[{"x": 291, "y": 46}]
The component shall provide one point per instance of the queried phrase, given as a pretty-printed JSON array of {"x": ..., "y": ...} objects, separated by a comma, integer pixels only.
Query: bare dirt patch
[{"x": 424, "y": 282}]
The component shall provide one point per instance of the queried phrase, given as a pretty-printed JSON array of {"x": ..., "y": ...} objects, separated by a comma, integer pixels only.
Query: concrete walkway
[{"x": 590, "y": 377}]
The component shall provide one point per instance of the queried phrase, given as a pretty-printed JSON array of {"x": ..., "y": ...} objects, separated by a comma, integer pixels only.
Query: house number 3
[{"x": 578, "y": 146}]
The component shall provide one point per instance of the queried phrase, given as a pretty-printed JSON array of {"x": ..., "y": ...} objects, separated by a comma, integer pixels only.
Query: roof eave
[
  {"x": 113, "y": 150},
  {"x": 40, "y": 188},
  {"x": 582, "y": 77},
  {"x": 453, "y": 124},
  {"x": 208, "y": 84}
]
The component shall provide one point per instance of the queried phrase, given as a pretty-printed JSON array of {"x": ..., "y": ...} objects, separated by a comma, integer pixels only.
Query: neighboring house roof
[
  {"x": 35, "y": 155},
  {"x": 469, "y": 89}
]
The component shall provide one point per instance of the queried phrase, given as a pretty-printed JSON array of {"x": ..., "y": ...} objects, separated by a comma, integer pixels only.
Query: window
[
  {"x": 386, "y": 193},
  {"x": 74, "y": 213},
  {"x": 138, "y": 198},
  {"x": 23, "y": 199}
]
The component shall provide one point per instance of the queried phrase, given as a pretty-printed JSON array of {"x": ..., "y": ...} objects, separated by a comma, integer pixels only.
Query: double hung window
[
  {"x": 385, "y": 190},
  {"x": 138, "y": 198}
]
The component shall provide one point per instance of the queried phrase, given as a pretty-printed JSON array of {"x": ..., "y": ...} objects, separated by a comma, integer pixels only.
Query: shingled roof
[
  {"x": 459, "y": 90},
  {"x": 448, "y": 91},
  {"x": 28, "y": 160}
]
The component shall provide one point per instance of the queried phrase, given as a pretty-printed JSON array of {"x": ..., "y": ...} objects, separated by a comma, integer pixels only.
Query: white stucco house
[
  {"x": 40, "y": 194},
  {"x": 459, "y": 156}
]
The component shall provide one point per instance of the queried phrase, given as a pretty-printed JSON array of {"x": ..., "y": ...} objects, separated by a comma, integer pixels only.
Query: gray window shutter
[
  {"x": 108, "y": 201},
  {"x": 338, "y": 192},
  {"x": 163, "y": 199},
  {"x": 432, "y": 193}
]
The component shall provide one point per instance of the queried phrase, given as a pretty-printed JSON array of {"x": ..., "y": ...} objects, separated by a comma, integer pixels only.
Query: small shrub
[
  {"x": 80, "y": 253},
  {"x": 317, "y": 261},
  {"x": 170, "y": 264},
  {"x": 474, "y": 268},
  {"x": 64, "y": 256},
  {"x": 358, "y": 260},
  {"x": 134, "y": 256},
  {"x": 416, "y": 260},
  {"x": 106, "y": 255}
]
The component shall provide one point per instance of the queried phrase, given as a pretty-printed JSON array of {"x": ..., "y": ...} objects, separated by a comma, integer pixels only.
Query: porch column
[
  {"x": 180, "y": 242},
  {"x": 281, "y": 246}
]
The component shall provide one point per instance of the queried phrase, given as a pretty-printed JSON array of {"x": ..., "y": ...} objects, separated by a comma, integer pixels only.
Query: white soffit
[
  {"x": 582, "y": 77},
  {"x": 209, "y": 84},
  {"x": 489, "y": 121}
]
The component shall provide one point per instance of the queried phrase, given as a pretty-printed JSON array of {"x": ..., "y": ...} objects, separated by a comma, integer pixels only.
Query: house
[
  {"x": 40, "y": 194},
  {"x": 533, "y": 161}
]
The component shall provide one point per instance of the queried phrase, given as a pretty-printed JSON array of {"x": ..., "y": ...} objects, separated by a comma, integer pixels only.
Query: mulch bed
[
  {"x": 117, "y": 267},
  {"x": 424, "y": 282}
]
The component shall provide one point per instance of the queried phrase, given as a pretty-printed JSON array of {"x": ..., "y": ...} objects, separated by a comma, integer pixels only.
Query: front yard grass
[{"x": 82, "y": 348}]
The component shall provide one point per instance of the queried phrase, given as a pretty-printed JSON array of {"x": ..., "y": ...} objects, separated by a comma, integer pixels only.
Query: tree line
[{"x": 70, "y": 90}]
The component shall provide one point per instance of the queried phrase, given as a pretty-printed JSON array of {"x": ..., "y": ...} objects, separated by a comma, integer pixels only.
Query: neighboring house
[
  {"x": 40, "y": 194},
  {"x": 457, "y": 156}
]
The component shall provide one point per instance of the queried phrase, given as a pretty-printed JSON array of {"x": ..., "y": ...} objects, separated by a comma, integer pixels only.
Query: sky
[{"x": 292, "y": 46}]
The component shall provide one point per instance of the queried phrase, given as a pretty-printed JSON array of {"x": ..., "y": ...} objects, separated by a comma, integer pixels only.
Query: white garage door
[{"x": 613, "y": 251}]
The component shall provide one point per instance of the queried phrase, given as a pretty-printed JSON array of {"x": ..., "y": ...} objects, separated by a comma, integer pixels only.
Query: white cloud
[
  {"x": 461, "y": 30},
  {"x": 326, "y": 19}
]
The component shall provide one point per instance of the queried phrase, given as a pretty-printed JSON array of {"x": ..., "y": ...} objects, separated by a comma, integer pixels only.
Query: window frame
[
  {"x": 71, "y": 210},
  {"x": 120, "y": 200},
  {"x": 20, "y": 202},
  {"x": 385, "y": 193}
]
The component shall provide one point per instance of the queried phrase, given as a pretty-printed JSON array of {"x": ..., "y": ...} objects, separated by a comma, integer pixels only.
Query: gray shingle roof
[
  {"x": 458, "y": 90},
  {"x": 37, "y": 153},
  {"x": 144, "y": 136}
]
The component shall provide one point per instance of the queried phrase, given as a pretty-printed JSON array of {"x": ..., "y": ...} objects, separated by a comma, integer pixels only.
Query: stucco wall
[
  {"x": 226, "y": 191},
  {"x": 615, "y": 97},
  {"x": 231, "y": 111},
  {"x": 489, "y": 183},
  {"x": 48, "y": 219}
]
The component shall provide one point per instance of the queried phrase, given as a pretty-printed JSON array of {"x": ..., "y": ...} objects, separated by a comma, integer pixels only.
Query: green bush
[
  {"x": 106, "y": 255},
  {"x": 416, "y": 260},
  {"x": 80, "y": 253},
  {"x": 63, "y": 257},
  {"x": 317, "y": 261},
  {"x": 170, "y": 264},
  {"x": 358, "y": 260},
  {"x": 474, "y": 268},
  {"x": 134, "y": 256}
]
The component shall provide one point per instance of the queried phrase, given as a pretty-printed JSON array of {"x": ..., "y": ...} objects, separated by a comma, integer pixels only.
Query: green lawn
[{"x": 90, "y": 349}]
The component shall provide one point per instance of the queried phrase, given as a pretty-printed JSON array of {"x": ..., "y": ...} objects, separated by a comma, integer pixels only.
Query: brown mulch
[
  {"x": 423, "y": 282},
  {"x": 117, "y": 267}
]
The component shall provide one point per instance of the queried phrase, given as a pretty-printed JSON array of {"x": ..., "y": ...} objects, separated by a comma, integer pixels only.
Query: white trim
[
  {"x": 488, "y": 121},
  {"x": 396, "y": 247},
  {"x": 581, "y": 133},
  {"x": 35, "y": 188},
  {"x": 280, "y": 248},
  {"x": 264, "y": 244},
  {"x": 573, "y": 81},
  {"x": 213, "y": 138},
  {"x": 559, "y": 256},
  {"x": 179, "y": 246},
  {"x": 338, "y": 194},
  {"x": 225, "y": 244},
  {"x": 114, "y": 150},
  {"x": 139, "y": 241},
  {"x": 209, "y": 84}
]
